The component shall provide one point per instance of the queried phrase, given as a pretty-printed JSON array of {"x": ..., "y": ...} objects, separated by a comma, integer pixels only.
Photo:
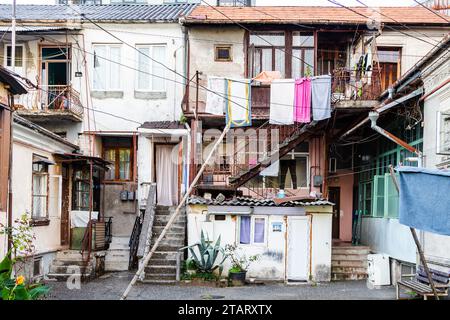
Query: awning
[
  {"x": 75, "y": 157},
  {"x": 26, "y": 29}
]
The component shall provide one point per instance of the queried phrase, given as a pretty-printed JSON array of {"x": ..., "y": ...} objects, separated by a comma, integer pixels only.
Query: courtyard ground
[{"x": 111, "y": 285}]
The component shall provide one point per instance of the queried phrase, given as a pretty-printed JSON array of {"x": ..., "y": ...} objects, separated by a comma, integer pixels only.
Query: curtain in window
[
  {"x": 124, "y": 164},
  {"x": 39, "y": 195},
  {"x": 244, "y": 234},
  {"x": 100, "y": 67},
  {"x": 259, "y": 230},
  {"x": 110, "y": 155},
  {"x": 166, "y": 176}
]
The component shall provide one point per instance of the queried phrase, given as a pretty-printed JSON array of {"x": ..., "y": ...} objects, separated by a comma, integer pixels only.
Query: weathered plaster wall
[
  {"x": 388, "y": 236},
  {"x": 344, "y": 180},
  {"x": 122, "y": 212},
  {"x": 271, "y": 265},
  {"x": 201, "y": 47}
]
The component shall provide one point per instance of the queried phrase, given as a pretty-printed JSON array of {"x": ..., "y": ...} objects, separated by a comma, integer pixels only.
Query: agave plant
[{"x": 205, "y": 258}]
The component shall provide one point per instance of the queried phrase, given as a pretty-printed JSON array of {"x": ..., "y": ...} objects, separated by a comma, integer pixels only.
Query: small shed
[{"x": 293, "y": 238}]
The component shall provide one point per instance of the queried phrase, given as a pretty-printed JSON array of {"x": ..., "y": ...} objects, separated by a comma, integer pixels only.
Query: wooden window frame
[
  {"x": 117, "y": 162},
  {"x": 75, "y": 191},
  {"x": 228, "y": 47},
  {"x": 41, "y": 220}
]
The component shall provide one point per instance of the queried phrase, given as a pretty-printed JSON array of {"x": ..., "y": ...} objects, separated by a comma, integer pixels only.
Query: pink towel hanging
[{"x": 302, "y": 102}]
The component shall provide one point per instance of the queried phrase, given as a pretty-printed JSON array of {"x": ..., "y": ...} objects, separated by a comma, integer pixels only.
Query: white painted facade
[
  {"x": 436, "y": 247},
  {"x": 26, "y": 143},
  {"x": 275, "y": 252}
]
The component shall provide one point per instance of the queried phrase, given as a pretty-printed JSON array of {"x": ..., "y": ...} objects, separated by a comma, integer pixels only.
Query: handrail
[{"x": 133, "y": 243}]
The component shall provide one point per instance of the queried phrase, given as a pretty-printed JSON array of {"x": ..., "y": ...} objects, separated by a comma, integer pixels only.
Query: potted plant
[{"x": 239, "y": 264}]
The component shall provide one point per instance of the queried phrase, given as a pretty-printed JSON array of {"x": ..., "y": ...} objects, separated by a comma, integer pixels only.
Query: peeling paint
[{"x": 274, "y": 255}]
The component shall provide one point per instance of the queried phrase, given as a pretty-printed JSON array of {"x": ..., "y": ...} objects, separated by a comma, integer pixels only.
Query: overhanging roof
[{"x": 252, "y": 202}]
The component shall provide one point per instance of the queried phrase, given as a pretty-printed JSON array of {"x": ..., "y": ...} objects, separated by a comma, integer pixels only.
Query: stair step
[
  {"x": 162, "y": 276},
  {"x": 170, "y": 236},
  {"x": 164, "y": 255},
  {"x": 348, "y": 257},
  {"x": 116, "y": 265},
  {"x": 344, "y": 276},
  {"x": 163, "y": 223},
  {"x": 173, "y": 229},
  {"x": 162, "y": 262},
  {"x": 349, "y": 263},
  {"x": 350, "y": 270},
  {"x": 159, "y": 281},
  {"x": 69, "y": 269},
  {"x": 161, "y": 269},
  {"x": 173, "y": 243},
  {"x": 350, "y": 250},
  {"x": 64, "y": 276}
]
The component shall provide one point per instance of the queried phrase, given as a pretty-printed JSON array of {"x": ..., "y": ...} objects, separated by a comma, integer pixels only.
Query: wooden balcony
[{"x": 58, "y": 102}]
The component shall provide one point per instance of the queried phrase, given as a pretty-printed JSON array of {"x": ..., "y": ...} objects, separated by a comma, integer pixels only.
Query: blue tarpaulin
[{"x": 425, "y": 199}]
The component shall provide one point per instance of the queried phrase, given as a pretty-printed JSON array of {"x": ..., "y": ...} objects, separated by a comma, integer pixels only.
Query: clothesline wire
[{"x": 173, "y": 80}]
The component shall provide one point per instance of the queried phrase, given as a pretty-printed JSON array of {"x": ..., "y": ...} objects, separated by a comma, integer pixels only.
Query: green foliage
[
  {"x": 204, "y": 258},
  {"x": 239, "y": 260},
  {"x": 183, "y": 119},
  {"x": 22, "y": 237}
]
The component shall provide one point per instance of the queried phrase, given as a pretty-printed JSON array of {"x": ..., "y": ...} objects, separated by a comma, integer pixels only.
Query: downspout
[
  {"x": 175, "y": 82},
  {"x": 188, "y": 155},
  {"x": 373, "y": 117}
]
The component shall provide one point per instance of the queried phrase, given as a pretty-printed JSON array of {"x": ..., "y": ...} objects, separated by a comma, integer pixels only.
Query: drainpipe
[
  {"x": 188, "y": 155},
  {"x": 373, "y": 117},
  {"x": 175, "y": 82}
]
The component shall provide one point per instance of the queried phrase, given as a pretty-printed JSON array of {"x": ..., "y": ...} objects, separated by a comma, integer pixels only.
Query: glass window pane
[
  {"x": 100, "y": 67},
  {"x": 266, "y": 60},
  {"x": 302, "y": 39},
  {"x": 114, "y": 76},
  {"x": 259, "y": 230},
  {"x": 389, "y": 56},
  {"x": 257, "y": 62},
  {"x": 244, "y": 234},
  {"x": 279, "y": 61},
  {"x": 267, "y": 39},
  {"x": 309, "y": 62},
  {"x": 159, "y": 54},
  {"x": 144, "y": 64},
  {"x": 124, "y": 164},
  {"x": 110, "y": 155},
  {"x": 296, "y": 63}
]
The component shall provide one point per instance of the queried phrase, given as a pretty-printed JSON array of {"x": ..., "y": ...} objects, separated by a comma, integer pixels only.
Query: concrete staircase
[
  {"x": 349, "y": 262},
  {"x": 118, "y": 254},
  {"x": 162, "y": 266},
  {"x": 69, "y": 263}
]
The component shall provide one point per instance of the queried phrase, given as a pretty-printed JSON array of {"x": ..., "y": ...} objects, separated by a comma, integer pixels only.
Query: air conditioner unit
[{"x": 378, "y": 269}]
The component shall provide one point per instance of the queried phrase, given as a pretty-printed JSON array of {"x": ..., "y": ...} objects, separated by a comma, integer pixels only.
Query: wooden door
[
  {"x": 334, "y": 196},
  {"x": 389, "y": 74},
  {"x": 65, "y": 205}
]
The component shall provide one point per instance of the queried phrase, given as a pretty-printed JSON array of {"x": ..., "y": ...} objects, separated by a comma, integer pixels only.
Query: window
[
  {"x": 152, "y": 76},
  {"x": 40, "y": 188},
  {"x": 443, "y": 133},
  {"x": 81, "y": 187},
  {"x": 389, "y": 59},
  {"x": 118, "y": 151},
  {"x": 37, "y": 267},
  {"x": 19, "y": 65},
  {"x": 222, "y": 53},
  {"x": 302, "y": 55},
  {"x": 106, "y": 67},
  {"x": 252, "y": 230},
  {"x": 385, "y": 197},
  {"x": 267, "y": 52}
]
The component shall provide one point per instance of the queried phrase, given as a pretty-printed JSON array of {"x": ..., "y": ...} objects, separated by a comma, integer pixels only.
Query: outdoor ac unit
[{"x": 378, "y": 269}]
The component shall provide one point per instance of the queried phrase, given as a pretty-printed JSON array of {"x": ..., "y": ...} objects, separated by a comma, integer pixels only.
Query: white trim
[
  {"x": 252, "y": 231},
  {"x": 150, "y": 74}
]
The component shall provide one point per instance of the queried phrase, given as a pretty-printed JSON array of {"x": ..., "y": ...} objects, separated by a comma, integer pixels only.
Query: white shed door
[{"x": 297, "y": 259}]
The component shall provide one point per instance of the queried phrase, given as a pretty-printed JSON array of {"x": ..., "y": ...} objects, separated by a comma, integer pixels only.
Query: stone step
[
  {"x": 159, "y": 281},
  {"x": 116, "y": 265},
  {"x": 349, "y": 270},
  {"x": 172, "y": 229},
  {"x": 168, "y": 247},
  {"x": 348, "y": 257},
  {"x": 164, "y": 255},
  {"x": 161, "y": 276},
  {"x": 70, "y": 262},
  {"x": 69, "y": 254},
  {"x": 169, "y": 236},
  {"x": 162, "y": 262},
  {"x": 120, "y": 240},
  {"x": 58, "y": 269},
  {"x": 349, "y": 263},
  {"x": 344, "y": 276},
  {"x": 64, "y": 276},
  {"x": 350, "y": 250},
  {"x": 170, "y": 241},
  {"x": 160, "y": 269},
  {"x": 163, "y": 223}
]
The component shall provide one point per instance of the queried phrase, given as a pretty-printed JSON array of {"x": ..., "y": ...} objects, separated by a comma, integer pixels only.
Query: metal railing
[
  {"x": 133, "y": 243},
  {"x": 355, "y": 85},
  {"x": 54, "y": 98}
]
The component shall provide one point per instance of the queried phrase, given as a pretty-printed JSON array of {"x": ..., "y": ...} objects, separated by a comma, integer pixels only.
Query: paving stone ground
[{"x": 112, "y": 285}]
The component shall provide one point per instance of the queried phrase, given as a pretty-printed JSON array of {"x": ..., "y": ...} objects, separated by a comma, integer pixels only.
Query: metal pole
[
  {"x": 173, "y": 217},
  {"x": 416, "y": 240},
  {"x": 13, "y": 37}
]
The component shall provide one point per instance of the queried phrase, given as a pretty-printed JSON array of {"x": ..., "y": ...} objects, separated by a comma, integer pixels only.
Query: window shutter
[
  {"x": 378, "y": 196},
  {"x": 391, "y": 197},
  {"x": 443, "y": 133}
]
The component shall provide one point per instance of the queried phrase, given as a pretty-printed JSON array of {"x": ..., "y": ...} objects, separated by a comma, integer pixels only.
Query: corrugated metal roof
[
  {"x": 247, "y": 201},
  {"x": 35, "y": 28},
  {"x": 162, "y": 125},
  {"x": 121, "y": 12}
]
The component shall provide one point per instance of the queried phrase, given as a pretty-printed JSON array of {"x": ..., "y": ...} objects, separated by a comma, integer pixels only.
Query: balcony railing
[{"x": 55, "y": 99}]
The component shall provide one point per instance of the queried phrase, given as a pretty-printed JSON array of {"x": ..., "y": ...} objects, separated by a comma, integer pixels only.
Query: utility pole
[{"x": 11, "y": 119}]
